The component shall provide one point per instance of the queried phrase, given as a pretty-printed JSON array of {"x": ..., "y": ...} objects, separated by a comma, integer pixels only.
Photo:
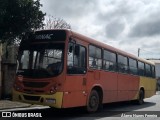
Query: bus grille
[
  {"x": 33, "y": 98},
  {"x": 35, "y": 84}
]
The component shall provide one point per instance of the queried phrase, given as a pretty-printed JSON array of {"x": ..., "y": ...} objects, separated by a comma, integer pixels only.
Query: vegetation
[
  {"x": 18, "y": 17},
  {"x": 55, "y": 23}
]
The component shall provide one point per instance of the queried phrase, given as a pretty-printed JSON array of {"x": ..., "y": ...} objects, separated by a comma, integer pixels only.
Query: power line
[{"x": 148, "y": 51}]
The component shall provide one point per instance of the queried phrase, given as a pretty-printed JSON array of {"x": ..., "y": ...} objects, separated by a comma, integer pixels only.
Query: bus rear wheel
[
  {"x": 93, "y": 102},
  {"x": 140, "y": 99}
]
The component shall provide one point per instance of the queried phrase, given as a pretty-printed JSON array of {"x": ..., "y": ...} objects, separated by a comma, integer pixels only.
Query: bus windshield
[{"x": 41, "y": 60}]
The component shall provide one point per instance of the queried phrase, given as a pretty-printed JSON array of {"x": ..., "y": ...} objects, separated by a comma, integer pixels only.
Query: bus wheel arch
[
  {"x": 95, "y": 99},
  {"x": 141, "y": 96}
]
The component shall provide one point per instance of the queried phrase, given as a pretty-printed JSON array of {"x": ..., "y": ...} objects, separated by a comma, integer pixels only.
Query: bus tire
[
  {"x": 140, "y": 99},
  {"x": 93, "y": 101}
]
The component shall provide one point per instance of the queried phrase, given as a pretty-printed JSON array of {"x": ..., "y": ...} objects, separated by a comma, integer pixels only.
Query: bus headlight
[{"x": 53, "y": 89}]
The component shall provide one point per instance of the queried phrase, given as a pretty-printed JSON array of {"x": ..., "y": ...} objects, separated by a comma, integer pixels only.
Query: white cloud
[{"x": 126, "y": 24}]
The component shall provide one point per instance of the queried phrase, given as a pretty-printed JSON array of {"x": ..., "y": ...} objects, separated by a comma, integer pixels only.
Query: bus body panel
[
  {"x": 75, "y": 93},
  {"x": 41, "y": 86},
  {"x": 149, "y": 85},
  {"x": 116, "y": 86},
  {"x": 127, "y": 86},
  {"x": 53, "y": 100},
  {"x": 109, "y": 84},
  {"x": 74, "y": 99}
]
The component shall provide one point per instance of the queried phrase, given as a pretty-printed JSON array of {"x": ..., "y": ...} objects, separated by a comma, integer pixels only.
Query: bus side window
[
  {"x": 133, "y": 66},
  {"x": 153, "y": 71},
  {"x": 141, "y": 70},
  {"x": 70, "y": 54},
  {"x": 123, "y": 64},
  {"x": 95, "y": 57},
  {"x": 109, "y": 61},
  {"x": 76, "y": 63},
  {"x": 148, "y": 71}
]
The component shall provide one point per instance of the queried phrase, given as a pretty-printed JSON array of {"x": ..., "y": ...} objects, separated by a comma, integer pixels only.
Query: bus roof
[
  {"x": 108, "y": 47},
  {"x": 101, "y": 45}
]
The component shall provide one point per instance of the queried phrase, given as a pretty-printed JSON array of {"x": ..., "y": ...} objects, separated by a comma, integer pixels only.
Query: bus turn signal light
[{"x": 16, "y": 87}]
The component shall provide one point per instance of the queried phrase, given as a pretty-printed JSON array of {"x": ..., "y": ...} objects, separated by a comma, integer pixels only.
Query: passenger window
[
  {"x": 122, "y": 64},
  {"x": 133, "y": 66},
  {"x": 76, "y": 63},
  {"x": 109, "y": 61},
  {"x": 148, "y": 72},
  {"x": 141, "y": 70},
  {"x": 95, "y": 57},
  {"x": 153, "y": 71}
]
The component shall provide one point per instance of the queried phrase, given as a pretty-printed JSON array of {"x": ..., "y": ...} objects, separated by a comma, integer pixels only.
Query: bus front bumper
[{"x": 53, "y": 100}]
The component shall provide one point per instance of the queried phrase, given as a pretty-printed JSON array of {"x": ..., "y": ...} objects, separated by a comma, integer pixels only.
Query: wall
[
  {"x": 157, "y": 69},
  {"x": 0, "y": 71},
  {"x": 8, "y": 65},
  {"x": 8, "y": 74}
]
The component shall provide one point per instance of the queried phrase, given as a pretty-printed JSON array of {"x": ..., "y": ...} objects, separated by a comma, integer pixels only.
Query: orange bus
[{"x": 62, "y": 69}]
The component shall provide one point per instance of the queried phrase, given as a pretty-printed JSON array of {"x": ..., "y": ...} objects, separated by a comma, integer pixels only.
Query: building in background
[{"x": 157, "y": 70}]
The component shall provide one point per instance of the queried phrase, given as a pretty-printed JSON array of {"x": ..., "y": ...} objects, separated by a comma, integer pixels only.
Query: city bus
[{"x": 62, "y": 69}]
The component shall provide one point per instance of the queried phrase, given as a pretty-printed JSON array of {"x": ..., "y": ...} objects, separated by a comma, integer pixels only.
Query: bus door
[{"x": 75, "y": 83}]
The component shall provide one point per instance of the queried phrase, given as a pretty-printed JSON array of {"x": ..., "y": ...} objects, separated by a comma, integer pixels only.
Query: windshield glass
[{"x": 41, "y": 60}]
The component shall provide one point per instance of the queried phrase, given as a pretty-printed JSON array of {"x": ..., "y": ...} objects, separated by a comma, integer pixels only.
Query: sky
[{"x": 124, "y": 24}]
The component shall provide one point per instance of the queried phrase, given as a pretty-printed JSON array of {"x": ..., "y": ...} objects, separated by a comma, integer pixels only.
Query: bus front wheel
[{"x": 93, "y": 102}]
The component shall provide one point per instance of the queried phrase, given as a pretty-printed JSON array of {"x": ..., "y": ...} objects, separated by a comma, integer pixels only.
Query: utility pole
[{"x": 138, "y": 52}]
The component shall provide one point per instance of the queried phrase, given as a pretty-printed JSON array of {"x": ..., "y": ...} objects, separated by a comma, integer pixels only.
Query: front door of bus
[{"x": 75, "y": 84}]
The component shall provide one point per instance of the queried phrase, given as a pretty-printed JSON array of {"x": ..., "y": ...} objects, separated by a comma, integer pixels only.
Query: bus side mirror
[
  {"x": 17, "y": 66},
  {"x": 77, "y": 50}
]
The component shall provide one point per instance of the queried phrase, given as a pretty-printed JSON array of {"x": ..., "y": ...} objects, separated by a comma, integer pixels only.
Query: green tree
[{"x": 18, "y": 17}]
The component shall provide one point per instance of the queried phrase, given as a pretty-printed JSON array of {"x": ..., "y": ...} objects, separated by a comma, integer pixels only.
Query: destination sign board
[{"x": 50, "y": 35}]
